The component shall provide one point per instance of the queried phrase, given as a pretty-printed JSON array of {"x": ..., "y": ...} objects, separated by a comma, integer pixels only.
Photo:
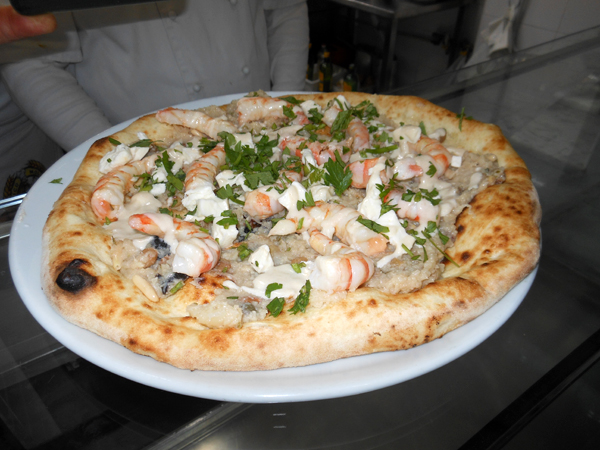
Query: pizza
[{"x": 284, "y": 232}]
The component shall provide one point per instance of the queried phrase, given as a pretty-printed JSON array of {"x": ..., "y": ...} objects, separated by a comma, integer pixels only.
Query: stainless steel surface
[{"x": 535, "y": 383}]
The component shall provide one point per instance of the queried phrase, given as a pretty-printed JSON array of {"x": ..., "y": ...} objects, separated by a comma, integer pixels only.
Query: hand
[{"x": 14, "y": 26}]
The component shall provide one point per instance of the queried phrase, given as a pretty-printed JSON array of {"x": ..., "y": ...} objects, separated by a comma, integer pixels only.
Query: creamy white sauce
[
  {"x": 370, "y": 208},
  {"x": 291, "y": 281}
]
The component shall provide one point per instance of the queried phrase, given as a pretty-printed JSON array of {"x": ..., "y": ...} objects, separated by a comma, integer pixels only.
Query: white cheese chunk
[
  {"x": 229, "y": 177},
  {"x": 158, "y": 188},
  {"x": 261, "y": 260},
  {"x": 456, "y": 161}
]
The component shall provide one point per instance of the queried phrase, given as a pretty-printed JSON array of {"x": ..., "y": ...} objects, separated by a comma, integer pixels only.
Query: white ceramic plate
[{"x": 329, "y": 380}]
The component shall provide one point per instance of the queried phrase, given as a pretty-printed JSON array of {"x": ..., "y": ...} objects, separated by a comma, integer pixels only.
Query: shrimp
[
  {"x": 340, "y": 268},
  {"x": 422, "y": 211},
  {"x": 321, "y": 151},
  {"x": 264, "y": 201},
  {"x": 359, "y": 133},
  {"x": 252, "y": 109},
  {"x": 195, "y": 251},
  {"x": 407, "y": 168},
  {"x": 331, "y": 218},
  {"x": 196, "y": 120},
  {"x": 109, "y": 194},
  {"x": 440, "y": 155},
  {"x": 360, "y": 172},
  {"x": 204, "y": 170}
]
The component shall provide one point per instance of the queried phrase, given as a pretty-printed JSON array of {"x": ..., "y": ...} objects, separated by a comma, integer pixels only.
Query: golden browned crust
[{"x": 497, "y": 246}]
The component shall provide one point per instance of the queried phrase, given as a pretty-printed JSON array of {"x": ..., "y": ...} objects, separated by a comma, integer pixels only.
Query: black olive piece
[
  {"x": 73, "y": 278},
  {"x": 167, "y": 283},
  {"x": 161, "y": 247}
]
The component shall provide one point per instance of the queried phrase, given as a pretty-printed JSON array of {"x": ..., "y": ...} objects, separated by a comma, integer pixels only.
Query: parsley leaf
[
  {"x": 298, "y": 267},
  {"x": 176, "y": 287},
  {"x": 341, "y": 121},
  {"x": 462, "y": 116},
  {"x": 243, "y": 251},
  {"x": 272, "y": 287},
  {"x": 56, "y": 181},
  {"x": 308, "y": 202},
  {"x": 432, "y": 170},
  {"x": 338, "y": 174},
  {"x": 302, "y": 300},
  {"x": 226, "y": 192},
  {"x": 291, "y": 99},
  {"x": 229, "y": 218},
  {"x": 275, "y": 306},
  {"x": 372, "y": 225},
  {"x": 288, "y": 111}
]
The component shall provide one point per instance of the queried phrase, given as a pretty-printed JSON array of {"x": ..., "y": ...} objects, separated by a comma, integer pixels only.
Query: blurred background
[{"x": 397, "y": 43}]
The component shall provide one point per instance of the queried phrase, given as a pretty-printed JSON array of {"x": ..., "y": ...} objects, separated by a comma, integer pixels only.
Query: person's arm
[
  {"x": 14, "y": 26},
  {"x": 49, "y": 94},
  {"x": 51, "y": 97},
  {"x": 287, "y": 24}
]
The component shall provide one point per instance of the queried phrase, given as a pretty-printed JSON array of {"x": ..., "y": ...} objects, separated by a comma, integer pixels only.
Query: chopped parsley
[
  {"x": 226, "y": 192},
  {"x": 272, "y": 287},
  {"x": 298, "y": 267},
  {"x": 462, "y": 116},
  {"x": 378, "y": 150},
  {"x": 291, "y": 99},
  {"x": 411, "y": 196},
  {"x": 337, "y": 174},
  {"x": 422, "y": 127},
  {"x": 275, "y": 306},
  {"x": 374, "y": 226},
  {"x": 301, "y": 301},
  {"x": 176, "y": 287},
  {"x": 142, "y": 143},
  {"x": 432, "y": 170},
  {"x": 288, "y": 111},
  {"x": 57, "y": 181},
  {"x": 243, "y": 251},
  {"x": 229, "y": 218},
  {"x": 309, "y": 201}
]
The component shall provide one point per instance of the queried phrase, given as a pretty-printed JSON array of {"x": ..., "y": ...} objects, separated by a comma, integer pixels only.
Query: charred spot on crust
[
  {"x": 465, "y": 256},
  {"x": 73, "y": 278}
]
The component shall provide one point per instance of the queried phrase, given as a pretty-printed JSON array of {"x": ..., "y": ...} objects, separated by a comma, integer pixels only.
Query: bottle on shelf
[
  {"x": 325, "y": 73},
  {"x": 351, "y": 80}
]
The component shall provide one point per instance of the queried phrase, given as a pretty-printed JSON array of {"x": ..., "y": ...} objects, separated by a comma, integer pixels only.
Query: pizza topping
[
  {"x": 261, "y": 259},
  {"x": 195, "y": 251},
  {"x": 330, "y": 198},
  {"x": 341, "y": 268},
  {"x": 123, "y": 154},
  {"x": 196, "y": 120},
  {"x": 109, "y": 194}
]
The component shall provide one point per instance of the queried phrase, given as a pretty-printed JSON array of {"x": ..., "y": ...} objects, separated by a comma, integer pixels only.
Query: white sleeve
[
  {"x": 49, "y": 94},
  {"x": 287, "y": 24}
]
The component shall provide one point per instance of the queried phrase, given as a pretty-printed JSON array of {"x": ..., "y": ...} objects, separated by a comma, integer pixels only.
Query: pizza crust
[{"x": 497, "y": 245}]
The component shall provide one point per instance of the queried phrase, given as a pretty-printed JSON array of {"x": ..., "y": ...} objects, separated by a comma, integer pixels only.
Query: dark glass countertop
[{"x": 533, "y": 384}]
